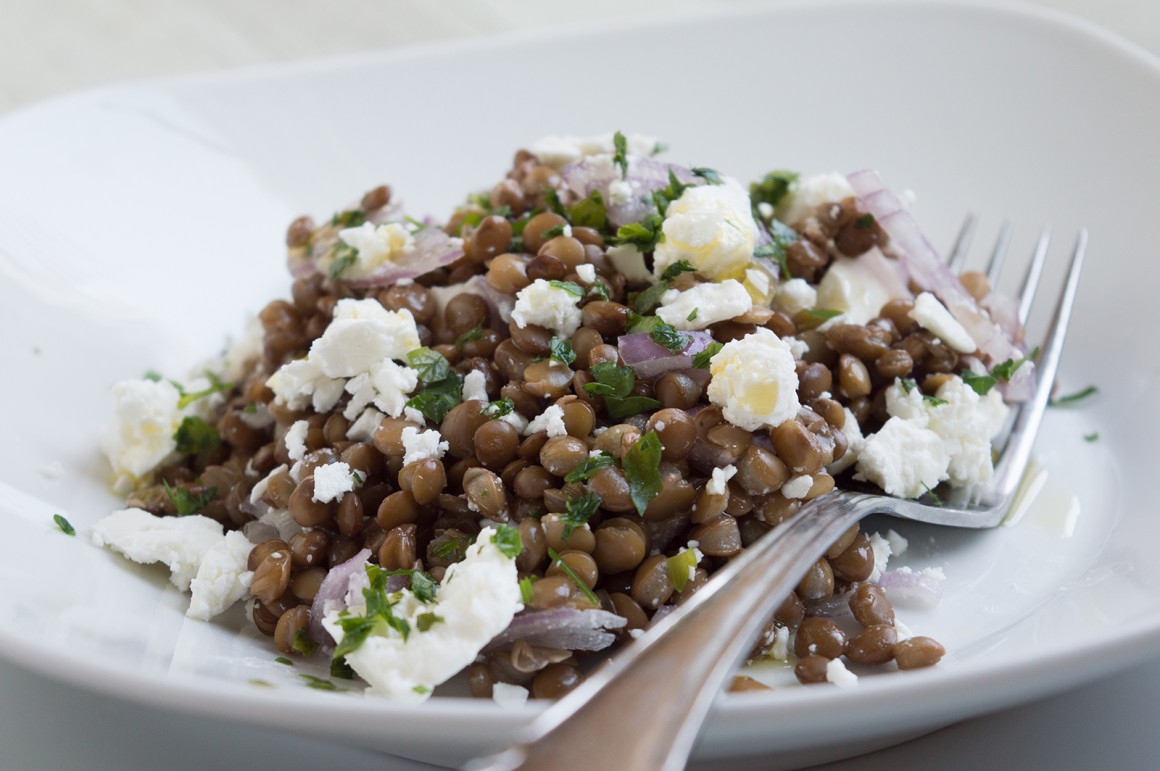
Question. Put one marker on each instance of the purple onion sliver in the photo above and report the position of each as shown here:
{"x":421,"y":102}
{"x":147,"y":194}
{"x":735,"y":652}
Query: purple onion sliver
{"x":564,"y":628}
{"x":915,"y":589}
{"x":649,"y":359}
{"x":334,"y":588}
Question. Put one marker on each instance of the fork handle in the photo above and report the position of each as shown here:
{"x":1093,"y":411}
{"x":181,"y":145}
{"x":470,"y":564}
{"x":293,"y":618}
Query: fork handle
{"x":645,"y":706}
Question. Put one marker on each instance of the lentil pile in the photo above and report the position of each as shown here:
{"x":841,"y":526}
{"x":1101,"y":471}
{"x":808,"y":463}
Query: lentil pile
{"x":573,"y":405}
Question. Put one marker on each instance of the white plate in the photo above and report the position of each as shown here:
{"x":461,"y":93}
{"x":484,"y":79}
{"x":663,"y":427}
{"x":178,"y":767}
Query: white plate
{"x":139,"y":224}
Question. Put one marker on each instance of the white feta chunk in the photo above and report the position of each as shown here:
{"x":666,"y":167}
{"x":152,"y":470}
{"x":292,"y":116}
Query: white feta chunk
{"x":295,"y":439}
{"x":140,"y":438}
{"x":362,"y":334}
{"x":854,"y":443}
{"x":179,"y":542}
{"x":754,"y":381}
{"x":798,"y":486}
{"x":375,"y":246}
{"x":852,"y":286}
{"x":794,"y":296}
{"x":560,"y":151}
{"x":586,"y":273}
{"x":837,"y":674}
{"x":629,"y":262}
{"x":300,"y":383}
{"x":806,"y":194}
{"x":475,"y":386}
{"x":933,"y":316}
{"x":509,"y":695}
{"x":710,"y":226}
{"x":903,"y":458}
{"x":719,"y":479}
{"x":222,"y":578}
{"x":704,"y":304}
{"x":548,"y":306}
{"x":422,"y":445}
{"x":550,"y":420}
{"x":332,"y":481}
{"x":363,"y":428}
{"x":619,"y":192}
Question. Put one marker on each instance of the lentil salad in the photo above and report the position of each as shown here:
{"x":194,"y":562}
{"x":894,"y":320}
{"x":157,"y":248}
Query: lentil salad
{"x":505,"y":442}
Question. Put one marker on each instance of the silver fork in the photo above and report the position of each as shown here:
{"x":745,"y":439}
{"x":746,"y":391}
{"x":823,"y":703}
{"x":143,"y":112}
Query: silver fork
{"x":643,"y":709}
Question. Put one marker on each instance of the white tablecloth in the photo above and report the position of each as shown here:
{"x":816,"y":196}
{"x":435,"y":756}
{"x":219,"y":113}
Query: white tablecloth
{"x":53,"y":46}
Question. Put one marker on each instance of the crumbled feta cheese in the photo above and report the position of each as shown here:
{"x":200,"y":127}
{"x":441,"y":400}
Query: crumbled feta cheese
{"x":636,"y":633}
{"x":706,"y":303}
{"x":794,"y":296}
{"x":363,"y":428}
{"x":391,"y":384}
{"x":477,"y":599}
{"x":295,"y":439}
{"x":854,"y":443}
{"x":710,"y":226}
{"x":179,"y":542}
{"x":547,"y":306}
{"x":332,"y":481}
{"x":933,"y":316}
{"x":300,"y":383}
{"x":223,"y":577}
{"x":852,"y":286}
{"x":516,"y":421}
{"x":629,"y":262}
{"x":798,"y":486}
{"x":719,"y":478}
{"x":780,"y":648}
{"x":550,"y":420}
{"x":619,"y":192}
{"x":883,"y":547}
{"x":805,"y":195}
{"x":586,"y":273}
{"x":837,"y":674}
{"x":475,"y":386}
{"x":798,"y":347}
{"x":903,"y":459}
{"x":259,"y":489}
{"x":375,"y":245}
{"x":362,"y":334}
{"x":559,"y":151}
{"x":421,"y":445}
{"x":509,"y":695}
{"x":146,"y":416}
{"x":754,"y":381}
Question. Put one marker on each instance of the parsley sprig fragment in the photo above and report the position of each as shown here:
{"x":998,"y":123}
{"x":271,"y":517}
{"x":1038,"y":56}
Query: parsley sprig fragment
{"x":772,"y":188}
{"x":64,"y":525}
{"x":194,"y":435}
{"x":620,"y":157}
{"x":571,"y":574}
{"x":345,"y":255}
{"x":1060,"y":401}
{"x":781,"y":237}
{"x":580,"y":510}
{"x":641,"y":464}
{"x":475,"y":333}
{"x":662,"y":333}
{"x":701,"y":360}
{"x":614,"y":384}
{"x":1002,"y":372}
{"x":712,"y":176}
{"x":589,"y":212}
{"x":561,"y":350}
{"x":378,"y":619}
{"x":442,"y":388}
{"x":526,"y":589}
{"x":507,"y":540}
{"x":499,"y":408}
{"x":644,"y":235}
{"x":187,"y":502}
{"x":571,"y":287}
{"x":216,"y":385}
{"x":589,"y":466}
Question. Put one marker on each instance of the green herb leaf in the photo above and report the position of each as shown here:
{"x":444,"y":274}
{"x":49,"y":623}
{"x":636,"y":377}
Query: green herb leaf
{"x":641,"y":464}
{"x":437,"y":399}
{"x":937,"y":501}
{"x":186,"y":502}
{"x":561,"y":350}
{"x":552,"y":232}
{"x":430,"y":365}
{"x":865,"y":222}
{"x":589,"y":212}
{"x":475,"y":333}
{"x":611,"y":380}
{"x":423,"y":586}
{"x":580,"y":510}
{"x":712,"y":176}
{"x":933,"y":401}
{"x":907,"y":384}
{"x":317,"y":683}
{"x":216,"y":386}
{"x":629,"y":406}
{"x":64,"y":525}
{"x":351,"y":218}
{"x":345,"y":255}
{"x":980,"y":384}
{"x":660,"y":147}
{"x":1092,"y":437}
{"x":589,"y":466}
{"x":284,"y":661}
{"x":421,"y":689}
{"x":679,"y":566}
{"x":599,"y":291}
{"x":194,"y":435}
{"x":152,"y":376}
{"x":571,"y":287}
{"x":566,"y":570}
{"x":507,"y":540}
{"x":650,"y":298}
{"x":644,"y":234}
{"x":339,"y":668}
{"x":554,"y":203}
{"x":1006,"y":370}
{"x":425,"y":621}
{"x":701,"y":360}
{"x":303,"y":644}
{"x":667,"y":336}
{"x":676,"y":269}
{"x":499,"y":408}
{"x":692,"y":314}
{"x":1075,"y":397}
{"x":772,"y":188}
{"x":620,"y":158}
{"x":824,"y":314}
{"x":526,"y":589}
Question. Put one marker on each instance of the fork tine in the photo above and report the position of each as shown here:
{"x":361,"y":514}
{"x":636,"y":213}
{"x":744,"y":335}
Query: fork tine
{"x":1031,"y":278}
{"x":962,"y":243}
{"x":999,"y":253}
{"x":1018,"y":452}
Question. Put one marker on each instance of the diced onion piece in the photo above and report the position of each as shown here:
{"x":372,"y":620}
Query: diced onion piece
{"x":565,"y":628}
{"x":644,"y":176}
{"x":649,"y":359}
{"x":333,"y":589}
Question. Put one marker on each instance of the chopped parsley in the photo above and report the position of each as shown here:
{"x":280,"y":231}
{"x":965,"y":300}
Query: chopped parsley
{"x":772,"y":188}
{"x":692,"y":314}
{"x":318,"y":683}
{"x":571,"y":287}
{"x":641,"y":464}
{"x":644,"y":235}
{"x":1092,"y":437}
{"x":552,"y":232}
{"x":781,"y":237}
{"x":580,"y":510}
{"x":598,"y":289}
{"x":438,"y":398}
{"x":1075,"y":397}
{"x":187,"y":398}
{"x":475,"y":333}
{"x":194,"y":435}
{"x":650,"y":298}
{"x":526,"y":589}
{"x":303,"y":644}
{"x":345,"y":255}
{"x":571,"y":574}
{"x":660,"y":147}
{"x":507,"y":540}
{"x":937,"y":501}
{"x":152,"y":376}
{"x":712,"y":176}
{"x":676,"y":269}
{"x":982,"y":384}
{"x":378,"y":618}
{"x":452,"y":548}
{"x":679,"y":566}
{"x":554,"y":202}
{"x":865,"y":222}
{"x":421,"y":689}
{"x":187,"y":502}
{"x":339,"y":668}
{"x":614,"y":384}
{"x":430,"y":365}
{"x":423,"y":586}
{"x":425,"y":621}
{"x":350,"y":218}
{"x":667,"y":336}
{"x":620,"y":157}
{"x":64,"y":525}
{"x":499,"y":408}
{"x":589,"y":466}
{"x":824,"y":314}
{"x":701,"y":360}
{"x":284,"y":661}
{"x":561,"y":350}
{"x":589,"y":212}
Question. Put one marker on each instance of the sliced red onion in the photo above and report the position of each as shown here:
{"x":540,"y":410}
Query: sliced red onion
{"x":566,"y":628}
{"x":916,"y":589}
{"x":434,"y":249}
{"x":927,"y":269}
{"x":341,"y":579}
{"x":500,"y":304}
{"x":649,"y":359}
{"x":644,"y":176}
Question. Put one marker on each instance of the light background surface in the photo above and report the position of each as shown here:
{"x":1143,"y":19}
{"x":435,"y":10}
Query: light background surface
{"x":50,"y":47}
